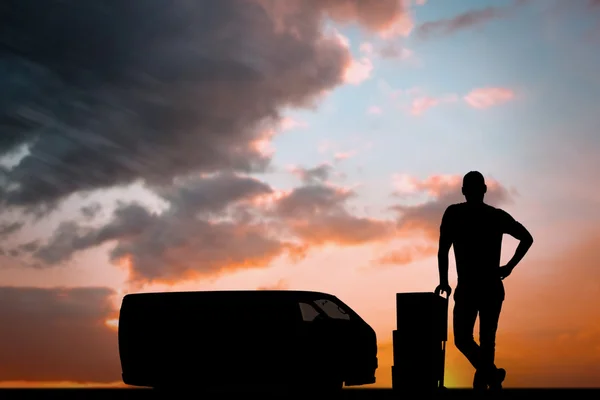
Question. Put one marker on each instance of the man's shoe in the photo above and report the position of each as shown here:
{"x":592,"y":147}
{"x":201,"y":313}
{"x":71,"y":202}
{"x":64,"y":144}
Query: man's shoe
{"x":479,"y":381}
{"x":497,"y":378}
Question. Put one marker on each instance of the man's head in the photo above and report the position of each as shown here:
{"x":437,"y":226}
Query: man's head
{"x":474,"y":187}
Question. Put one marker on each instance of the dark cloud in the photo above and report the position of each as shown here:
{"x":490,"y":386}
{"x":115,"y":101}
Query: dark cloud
{"x":223,"y":222}
{"x":320,"y":173}
{"x":7,"y":229}
{"x":318,"y":214}
{"x":215,"y":224}
{"x":91,"y":210}
{"x":57,"y":335}
{"x":463,"y":21}
{"x":197,"y":234}
{"x":105,"y":93}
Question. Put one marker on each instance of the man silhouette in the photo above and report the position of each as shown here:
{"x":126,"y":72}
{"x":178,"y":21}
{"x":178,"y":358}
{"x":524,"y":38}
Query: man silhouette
{"x":475,"y":230}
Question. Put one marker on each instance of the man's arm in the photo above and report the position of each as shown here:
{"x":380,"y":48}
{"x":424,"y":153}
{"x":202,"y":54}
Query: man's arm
{"x":444,"y":247}
{"x":519,"y":232}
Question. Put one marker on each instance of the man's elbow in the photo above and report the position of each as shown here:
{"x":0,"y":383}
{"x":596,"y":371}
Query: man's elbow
{"x":527,"y":239}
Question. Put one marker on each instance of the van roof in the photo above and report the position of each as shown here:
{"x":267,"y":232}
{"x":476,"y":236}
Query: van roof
{"x":233,"y":293}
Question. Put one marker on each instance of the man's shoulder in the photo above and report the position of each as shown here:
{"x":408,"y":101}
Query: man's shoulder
{"x":456,"y":207}
{"x":498,"y":211}
{"x":463,"y":208}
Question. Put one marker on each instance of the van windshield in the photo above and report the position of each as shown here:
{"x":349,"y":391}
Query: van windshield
{"x":324,"y":307}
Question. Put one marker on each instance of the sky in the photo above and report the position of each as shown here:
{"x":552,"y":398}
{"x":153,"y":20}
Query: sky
{"x":297,"y":144}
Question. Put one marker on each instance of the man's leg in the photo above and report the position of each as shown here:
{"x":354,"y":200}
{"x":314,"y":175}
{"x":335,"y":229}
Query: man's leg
{"x":465,"y":314}
{"x":489,"y":315}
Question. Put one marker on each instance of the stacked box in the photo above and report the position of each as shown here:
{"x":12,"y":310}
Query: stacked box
{"x":419,"y":341}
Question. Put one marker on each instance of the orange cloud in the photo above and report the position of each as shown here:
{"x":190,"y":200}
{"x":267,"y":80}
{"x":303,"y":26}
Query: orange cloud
{"x":407,"y":255}
{"x":488,"y":97}
{"x":281,"y":284}
{"x":422,"y":219}
{"x":385,"y":16}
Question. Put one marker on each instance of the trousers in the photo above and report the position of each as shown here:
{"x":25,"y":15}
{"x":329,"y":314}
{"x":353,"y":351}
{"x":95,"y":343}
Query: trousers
{"x":468,"y":304}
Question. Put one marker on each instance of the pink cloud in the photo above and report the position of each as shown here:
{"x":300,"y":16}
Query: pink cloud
{"x":366,"y":48}
{"x":344,"y":155}
{"x":374,"y":110}
{"x":288,"y":123}
{"x":358,"y":71}
{"x":421,"y":104}
{"x":488,"y":97}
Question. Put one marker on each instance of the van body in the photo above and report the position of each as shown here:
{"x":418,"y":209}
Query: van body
{"x":253,"y":338}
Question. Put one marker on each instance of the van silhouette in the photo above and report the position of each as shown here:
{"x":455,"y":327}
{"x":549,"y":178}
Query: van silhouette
{"x":247,"y":339}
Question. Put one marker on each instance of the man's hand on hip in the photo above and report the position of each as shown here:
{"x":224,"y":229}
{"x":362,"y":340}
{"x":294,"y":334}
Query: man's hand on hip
{"x":505,"y":271}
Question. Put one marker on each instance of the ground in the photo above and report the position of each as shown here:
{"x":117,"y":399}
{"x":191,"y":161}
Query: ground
{"x":357,"y":394}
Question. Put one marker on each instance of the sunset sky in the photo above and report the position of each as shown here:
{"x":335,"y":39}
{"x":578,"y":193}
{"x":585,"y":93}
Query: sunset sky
{"x":295,"y":144}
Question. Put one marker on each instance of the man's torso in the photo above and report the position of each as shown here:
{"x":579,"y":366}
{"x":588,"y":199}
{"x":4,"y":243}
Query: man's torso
{"x":477,"y":232}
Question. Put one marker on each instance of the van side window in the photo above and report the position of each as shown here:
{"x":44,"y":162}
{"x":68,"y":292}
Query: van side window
{"x":309,"y":313}
{"x":332,"y":309}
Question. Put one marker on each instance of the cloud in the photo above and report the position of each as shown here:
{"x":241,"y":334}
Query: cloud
{"x":386,"y":16}
{"x":281,"y":284}
{"x":57,"y":335}
{"x":320,"y":173}
{"x":488,"y":97}
{"x":449,"y":26}
{"x":374,"y":110}
{"x":218,"y":223}
{"x":207,"y":228}
{"x":358,"y":71}
{"x":318,"y":215}
{"x":173,"y":87}
{"x":423,"y":219}
{"x":344,"y":155}
{"x":423,"y":103}
{"x":387,"y":51}
{"x":407,"y":255}
{"x":7,"y":229}
{"x":91,"y":210}
{"x":395,"y":51}
{"x":366,"y":48}
{"x":479,"y":98}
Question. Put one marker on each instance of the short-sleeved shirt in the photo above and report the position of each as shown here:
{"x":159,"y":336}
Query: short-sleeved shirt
{"x":476,"y":232}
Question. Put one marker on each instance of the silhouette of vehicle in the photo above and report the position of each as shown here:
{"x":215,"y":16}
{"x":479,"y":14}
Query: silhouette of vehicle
{"x":263,"y":339}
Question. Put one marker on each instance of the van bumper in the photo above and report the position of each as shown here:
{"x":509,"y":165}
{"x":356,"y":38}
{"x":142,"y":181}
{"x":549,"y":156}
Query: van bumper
{"x":362,"y":376}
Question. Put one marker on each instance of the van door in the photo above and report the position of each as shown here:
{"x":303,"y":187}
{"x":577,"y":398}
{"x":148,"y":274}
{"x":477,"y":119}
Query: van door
{"x":337,"y":339}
